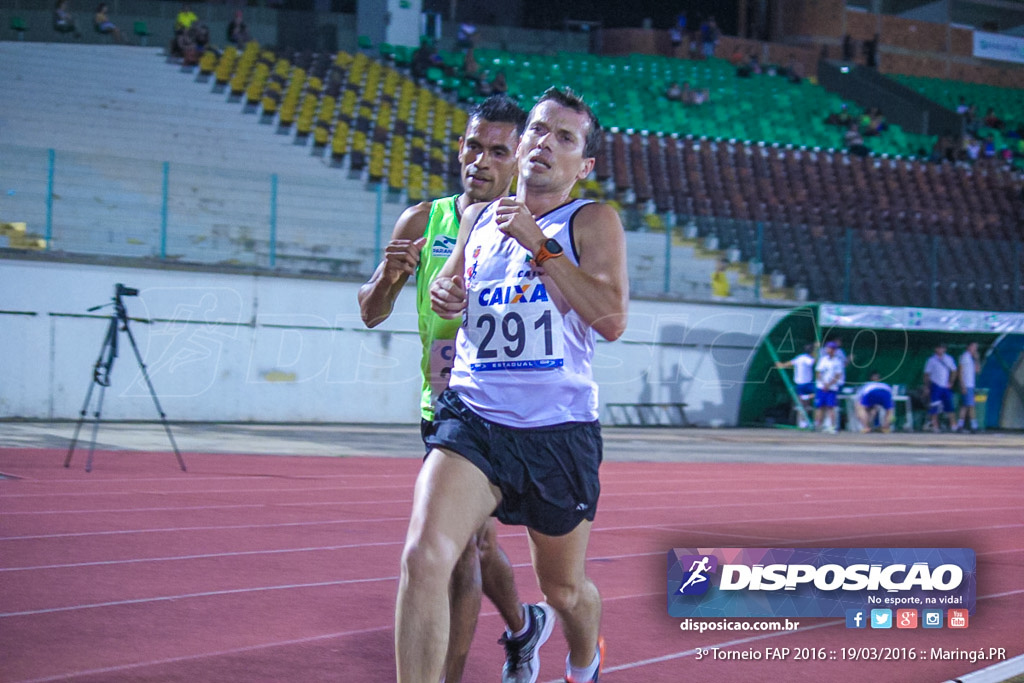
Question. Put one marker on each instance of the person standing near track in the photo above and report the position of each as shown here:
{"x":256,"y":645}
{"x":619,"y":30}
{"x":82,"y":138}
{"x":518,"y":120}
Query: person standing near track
{"x":535,"y":278}
{"x":421,"y":243}
{"x":967,"y":377}
{"x":939,"y":374}
{"x":803,"y":380}
{"x":828,"y":378}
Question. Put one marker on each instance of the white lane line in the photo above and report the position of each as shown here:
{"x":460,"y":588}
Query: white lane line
{"x":408,"y":501}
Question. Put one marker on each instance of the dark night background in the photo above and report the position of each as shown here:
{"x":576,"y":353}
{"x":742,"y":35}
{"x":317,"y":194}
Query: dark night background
{"x":627,"y":13}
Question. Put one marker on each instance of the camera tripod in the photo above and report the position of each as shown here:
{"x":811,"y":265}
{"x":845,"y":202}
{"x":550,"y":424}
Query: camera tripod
{"x":101,"y":376}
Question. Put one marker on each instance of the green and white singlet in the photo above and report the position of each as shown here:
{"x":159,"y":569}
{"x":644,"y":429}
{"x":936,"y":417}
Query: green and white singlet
{"x":436,"y":334}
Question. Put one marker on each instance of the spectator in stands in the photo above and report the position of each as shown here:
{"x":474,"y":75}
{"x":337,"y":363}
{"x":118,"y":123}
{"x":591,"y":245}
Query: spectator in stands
{"x":848,"y":48}
{"x":795,"y":72}
{"x":238,"y":32}
{"x":675,"y":38}
{"x":750,"y":67}
{"x":991,"y":120}
{"x":720,"y":287}
{"x":674,"y":93}
{"x":853,"y":141}
{"x":969,"y":364}
{"x":875,"y":122}
{"x":803,"y":380}
{"x":104,"y":25}
{"x":972,"y":148}
{"x":840,"y":118}
{"x":871,"y":52}
{"x":64,"y":20}
{"x":499,"y":85}
{"x":201,"y":35}
{"x":939,"y":374}
{"x":470,"y":67}
{"x":971,"y":121}
{"x":874,"y":403}
{"x":961,"y":105}
{"x":465,"y":37}
{"x":709,"y":35}
{"x":483,"y":85}
{"x":183,"y":46}
{"x":423,"y":59}
{"x":186,"y":17}
{"x":988,"y":147}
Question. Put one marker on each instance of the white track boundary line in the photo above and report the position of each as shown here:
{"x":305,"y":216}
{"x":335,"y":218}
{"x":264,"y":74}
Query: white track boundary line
{"x":408,"y":501}
{"x":281,"y":551}
{"x":256,"y":589}
{"x":701,"y":483}
{"x":266,"y":646}
{"x":674,"y":527}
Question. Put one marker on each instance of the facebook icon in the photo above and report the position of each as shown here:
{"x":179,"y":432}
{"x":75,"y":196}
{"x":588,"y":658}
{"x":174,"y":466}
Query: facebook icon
{"x":856,"y":618}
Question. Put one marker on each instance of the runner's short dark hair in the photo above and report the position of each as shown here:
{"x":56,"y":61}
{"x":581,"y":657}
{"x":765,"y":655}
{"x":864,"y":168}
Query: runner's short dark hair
{"x":500,"y":109}
{"x":567,"y":98}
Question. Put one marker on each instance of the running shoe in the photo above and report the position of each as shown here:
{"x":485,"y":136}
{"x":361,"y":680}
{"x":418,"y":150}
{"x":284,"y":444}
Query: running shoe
{"x":522,"y":655}
{"x":600,"y":665}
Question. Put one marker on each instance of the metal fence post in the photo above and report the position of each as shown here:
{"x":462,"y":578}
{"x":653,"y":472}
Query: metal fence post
{"x":668,"y":259}
{"x":51,"y":159}
{"x":273,"y":220}
{"x":848,"y":266}
{"x":163,"y":209}
{"x":377,"y":239}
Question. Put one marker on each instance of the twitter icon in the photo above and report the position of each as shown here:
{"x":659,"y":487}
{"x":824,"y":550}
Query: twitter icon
{"x":881,"y":618}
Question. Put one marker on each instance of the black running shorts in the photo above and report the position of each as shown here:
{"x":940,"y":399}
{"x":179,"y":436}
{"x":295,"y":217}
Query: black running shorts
{"x":547,"y":475}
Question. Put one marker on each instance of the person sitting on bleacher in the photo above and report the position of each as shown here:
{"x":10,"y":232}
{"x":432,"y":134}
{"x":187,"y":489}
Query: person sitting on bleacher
{"x":186,"y":17}
{"x":103,"y":23}
{"x":423,"y":59}
{"x":874,"y":404}
{"x":238,"y":33}
{"x":184,"y":45}
{"x":63,"y":20}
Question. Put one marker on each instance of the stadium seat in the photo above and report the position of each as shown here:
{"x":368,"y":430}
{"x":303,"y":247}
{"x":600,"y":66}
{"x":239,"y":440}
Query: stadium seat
{"x":141,"y":32}
{"x":19,"y":26}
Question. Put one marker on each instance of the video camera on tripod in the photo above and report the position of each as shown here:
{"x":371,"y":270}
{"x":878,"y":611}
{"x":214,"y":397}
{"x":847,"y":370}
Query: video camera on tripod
{"x":101,"y":374}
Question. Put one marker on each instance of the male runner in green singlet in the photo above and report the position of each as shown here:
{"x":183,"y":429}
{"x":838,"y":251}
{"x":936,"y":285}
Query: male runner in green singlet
{"x":421,"y":243}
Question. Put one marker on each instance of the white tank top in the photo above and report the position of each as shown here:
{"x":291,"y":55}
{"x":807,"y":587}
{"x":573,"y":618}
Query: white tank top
{"x":522,"y":355}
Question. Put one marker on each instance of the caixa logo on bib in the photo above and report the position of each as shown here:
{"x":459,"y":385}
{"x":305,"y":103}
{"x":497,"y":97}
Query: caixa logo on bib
{"x":816,"y":582}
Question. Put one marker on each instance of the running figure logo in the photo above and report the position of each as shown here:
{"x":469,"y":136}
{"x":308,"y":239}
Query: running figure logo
{"x":696,"y":581}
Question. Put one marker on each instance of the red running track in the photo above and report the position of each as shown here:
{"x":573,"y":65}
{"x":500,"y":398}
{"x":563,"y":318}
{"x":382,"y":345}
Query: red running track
{"x":269,"y":568}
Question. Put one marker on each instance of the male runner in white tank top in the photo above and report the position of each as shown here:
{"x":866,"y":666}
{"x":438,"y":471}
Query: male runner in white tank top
{"x":534,"y":278}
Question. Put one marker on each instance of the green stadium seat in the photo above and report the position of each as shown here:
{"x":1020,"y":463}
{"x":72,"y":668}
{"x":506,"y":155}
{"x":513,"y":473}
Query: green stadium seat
{"x":19,"y":26}
{"x":142,"y":32}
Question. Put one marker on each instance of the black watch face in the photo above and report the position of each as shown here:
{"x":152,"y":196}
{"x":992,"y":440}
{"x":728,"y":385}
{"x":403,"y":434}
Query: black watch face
{"x":553,"y":247}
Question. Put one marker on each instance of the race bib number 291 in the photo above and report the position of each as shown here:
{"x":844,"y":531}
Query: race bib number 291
{"x":513,"y":326}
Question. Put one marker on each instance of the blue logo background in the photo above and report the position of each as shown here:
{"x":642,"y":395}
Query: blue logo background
{"x":696,"y":578}
{"x":856,"y":618}
{"x":931,"y":618}
{"x":881,"y":618}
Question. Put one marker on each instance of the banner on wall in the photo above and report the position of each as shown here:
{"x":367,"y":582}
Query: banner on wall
{"x":998,"y":46}
{"x":909,"y":318}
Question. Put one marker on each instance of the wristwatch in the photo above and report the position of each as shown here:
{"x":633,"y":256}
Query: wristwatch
{"x":550,"y":248}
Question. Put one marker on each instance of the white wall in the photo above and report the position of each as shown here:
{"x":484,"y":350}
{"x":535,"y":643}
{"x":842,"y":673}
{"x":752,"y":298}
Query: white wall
{"x":225,"y":347}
